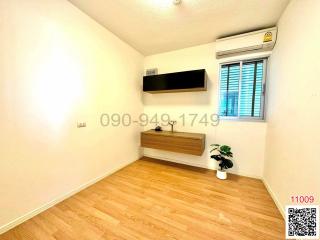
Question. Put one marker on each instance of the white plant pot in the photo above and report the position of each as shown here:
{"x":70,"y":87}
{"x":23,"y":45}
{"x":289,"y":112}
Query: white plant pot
{"x":221,"y":174}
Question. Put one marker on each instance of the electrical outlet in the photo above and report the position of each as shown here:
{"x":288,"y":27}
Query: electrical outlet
{"x":81,"y":124}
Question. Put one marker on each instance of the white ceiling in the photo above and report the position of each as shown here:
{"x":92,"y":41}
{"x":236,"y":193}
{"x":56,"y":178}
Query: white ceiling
{"x":154,"y":26}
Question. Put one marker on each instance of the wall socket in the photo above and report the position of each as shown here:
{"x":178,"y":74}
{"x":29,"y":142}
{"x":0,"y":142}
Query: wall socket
{"x":81,"y":124}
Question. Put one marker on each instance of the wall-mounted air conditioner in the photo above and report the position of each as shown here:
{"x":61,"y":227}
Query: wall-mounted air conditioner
{"x":257,"y":41}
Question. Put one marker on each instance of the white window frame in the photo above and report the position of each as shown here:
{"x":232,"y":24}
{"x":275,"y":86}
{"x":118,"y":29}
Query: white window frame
{"x":263,"y":100}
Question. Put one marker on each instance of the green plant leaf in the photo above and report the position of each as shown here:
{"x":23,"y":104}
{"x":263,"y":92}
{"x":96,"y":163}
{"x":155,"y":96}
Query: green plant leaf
{"x":223,"y":156}
{"x":215,"y":144}
{"x":226,"y":163}
{"x":225,"y":148}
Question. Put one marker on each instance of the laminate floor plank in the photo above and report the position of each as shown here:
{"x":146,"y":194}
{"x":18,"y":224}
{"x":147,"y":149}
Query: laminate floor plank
{"x":153,"y":199}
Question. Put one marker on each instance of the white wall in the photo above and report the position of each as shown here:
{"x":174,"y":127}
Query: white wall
{"x":57,"y":67}
{"x":247,"y":139}
{"x":293,"y":133}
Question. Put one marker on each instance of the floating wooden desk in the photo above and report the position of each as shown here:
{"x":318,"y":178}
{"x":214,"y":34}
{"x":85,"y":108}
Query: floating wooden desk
{"x":182,"y":142}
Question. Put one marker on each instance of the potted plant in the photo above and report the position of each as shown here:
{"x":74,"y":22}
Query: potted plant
{"x":223,"y":154}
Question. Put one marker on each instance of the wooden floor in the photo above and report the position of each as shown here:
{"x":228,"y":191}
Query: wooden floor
{"x":156,"y":200}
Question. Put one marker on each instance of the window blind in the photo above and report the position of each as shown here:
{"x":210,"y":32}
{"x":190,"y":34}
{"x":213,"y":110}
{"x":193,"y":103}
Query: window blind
{"x":241,"y":89}
{"x":251,"y":89}
{"x":229,"y":89}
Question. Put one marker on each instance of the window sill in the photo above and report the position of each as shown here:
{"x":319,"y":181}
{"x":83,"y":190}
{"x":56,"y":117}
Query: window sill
{"x":236,"y":119}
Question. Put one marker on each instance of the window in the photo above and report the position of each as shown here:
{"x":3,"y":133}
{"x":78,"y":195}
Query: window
{"x":242,"y":89}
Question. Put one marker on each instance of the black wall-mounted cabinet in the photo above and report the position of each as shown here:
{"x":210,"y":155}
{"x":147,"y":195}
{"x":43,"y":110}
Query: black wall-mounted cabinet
{"x":195,"y":80}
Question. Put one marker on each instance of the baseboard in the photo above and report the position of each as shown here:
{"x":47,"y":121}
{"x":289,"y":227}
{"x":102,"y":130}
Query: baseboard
{"x":50,"y":204}
{"x":198,"y":165}
{"x":274,"y":197}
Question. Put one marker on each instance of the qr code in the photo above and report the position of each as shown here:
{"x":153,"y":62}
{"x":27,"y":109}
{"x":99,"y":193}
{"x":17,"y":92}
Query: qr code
{"x":302,"y":222}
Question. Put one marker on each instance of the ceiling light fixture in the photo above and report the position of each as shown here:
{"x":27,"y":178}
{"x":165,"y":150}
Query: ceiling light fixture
{"x":176,"y":2}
